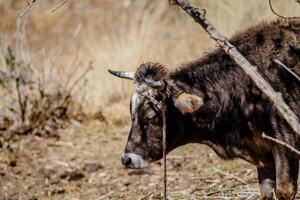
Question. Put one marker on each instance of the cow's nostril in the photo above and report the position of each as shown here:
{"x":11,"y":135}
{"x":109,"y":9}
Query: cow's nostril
{"x":134,"y":161}
{"x":127,"y":161}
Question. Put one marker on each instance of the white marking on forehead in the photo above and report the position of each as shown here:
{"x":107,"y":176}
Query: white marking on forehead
{"x":136,"y":100}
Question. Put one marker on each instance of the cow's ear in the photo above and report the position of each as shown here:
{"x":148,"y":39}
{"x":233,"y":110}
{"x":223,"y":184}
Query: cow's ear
{"x":188,"y":103}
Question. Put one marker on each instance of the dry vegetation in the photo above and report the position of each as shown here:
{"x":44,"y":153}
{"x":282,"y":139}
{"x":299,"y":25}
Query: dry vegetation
{"x":56,"y":49}
{"x":33,"y":98}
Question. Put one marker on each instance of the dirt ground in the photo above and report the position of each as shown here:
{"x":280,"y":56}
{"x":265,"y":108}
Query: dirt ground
{"x":83,"y":163}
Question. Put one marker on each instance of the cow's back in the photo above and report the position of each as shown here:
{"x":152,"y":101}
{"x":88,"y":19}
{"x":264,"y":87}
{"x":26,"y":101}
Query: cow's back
{"x":278,"y":40}
{"x":260,"y":44}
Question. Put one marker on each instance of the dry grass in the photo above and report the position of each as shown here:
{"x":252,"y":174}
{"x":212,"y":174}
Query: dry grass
{"x":119,"y":36}
{"x":35,"y":97}
{"x":153,"y":31}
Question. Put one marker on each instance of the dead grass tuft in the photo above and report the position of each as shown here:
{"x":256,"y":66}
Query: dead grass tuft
{"x":34,"y":97}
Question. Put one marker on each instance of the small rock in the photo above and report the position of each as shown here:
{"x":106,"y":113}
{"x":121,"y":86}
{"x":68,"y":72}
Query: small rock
{"x":13,"y":163}
{"x":92,"y":167}
{"x":58,"y":191}
{"x":47,"y":173}
{"x":126,"y":184}
{"x":76,"y":123}
{"x":72,"y":176}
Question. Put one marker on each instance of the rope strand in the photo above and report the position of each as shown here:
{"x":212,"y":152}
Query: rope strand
{"x":163,"y":109}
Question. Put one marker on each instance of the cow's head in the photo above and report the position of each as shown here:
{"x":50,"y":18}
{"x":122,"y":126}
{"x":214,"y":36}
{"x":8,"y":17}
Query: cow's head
{"x":144,"y":143}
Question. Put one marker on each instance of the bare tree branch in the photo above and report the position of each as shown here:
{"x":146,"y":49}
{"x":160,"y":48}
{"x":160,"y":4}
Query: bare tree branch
{"x":32,"y":2}
{"x":251,"y":71}
{"x":281,"y":143}
{"x":274,"y":12}
{"x":287,"y":69}
{"x":59,"y":5}
{"x":278,"y":15}
{"x":84,"y":73}
{"x":28,"y":8}
{"x":22,"y":103}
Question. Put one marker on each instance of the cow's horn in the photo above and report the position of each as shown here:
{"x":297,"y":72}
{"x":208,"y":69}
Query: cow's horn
{"x":159,"y":85}
{"x":122,"y":74}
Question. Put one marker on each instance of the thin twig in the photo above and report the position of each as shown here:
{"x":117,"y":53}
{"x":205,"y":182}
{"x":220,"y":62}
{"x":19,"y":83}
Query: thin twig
{"x":84,"y":73}
{"x":28,"y":8}
{"x":281,"y":143}
{"x":230,"y":175}
{"x":286,"y":68}
{"x":72,"y":73}
{"x":105,"y":196}
{"x":59,"y":5}
{"x":218,"y":191}
{"x":148,"y":195}
{"x":278,"y":15}
{"x":66,"y":46}
{"x":163,"y":109}
{"x":250,"y":70}
{"x":22,"y":104}
{"x":273,"y":11}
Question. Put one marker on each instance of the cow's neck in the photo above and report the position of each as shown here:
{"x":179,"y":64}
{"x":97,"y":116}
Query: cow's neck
{"x":211,"y":126}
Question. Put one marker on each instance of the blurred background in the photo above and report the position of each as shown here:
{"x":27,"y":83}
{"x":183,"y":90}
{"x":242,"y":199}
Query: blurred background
{"x":54,"y":79}
{"x":121,"y":34}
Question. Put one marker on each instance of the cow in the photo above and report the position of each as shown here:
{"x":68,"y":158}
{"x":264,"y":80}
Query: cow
{"x":212,"y":101}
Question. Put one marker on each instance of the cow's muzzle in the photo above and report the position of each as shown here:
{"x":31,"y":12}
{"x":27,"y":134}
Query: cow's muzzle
{"x":133,"y":161}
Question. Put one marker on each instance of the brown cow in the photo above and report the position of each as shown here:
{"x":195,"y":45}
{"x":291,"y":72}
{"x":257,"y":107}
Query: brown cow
{"x":212,"y":101}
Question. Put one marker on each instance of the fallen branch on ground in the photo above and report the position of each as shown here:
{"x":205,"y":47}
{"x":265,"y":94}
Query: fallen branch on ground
{"x":105,"y":196}
{"x":281,"y":143}
{"x":251,"y":71}
{"x":229,"y":175}
{"x":146,"y":197}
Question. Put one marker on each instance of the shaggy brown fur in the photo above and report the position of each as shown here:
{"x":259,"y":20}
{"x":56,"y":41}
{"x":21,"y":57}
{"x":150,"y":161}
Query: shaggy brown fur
{"x":234,"y":113}
{"x":151,"y":70}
